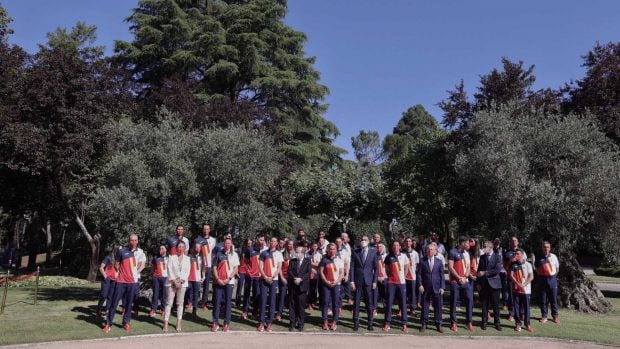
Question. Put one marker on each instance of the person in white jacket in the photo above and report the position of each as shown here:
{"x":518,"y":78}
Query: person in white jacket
{"x":178,"y":273}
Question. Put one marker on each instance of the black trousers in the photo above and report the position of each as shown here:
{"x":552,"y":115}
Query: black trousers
{"x":297,"y":306}
{"x":489,"y":295}
{"x":363,"y":292}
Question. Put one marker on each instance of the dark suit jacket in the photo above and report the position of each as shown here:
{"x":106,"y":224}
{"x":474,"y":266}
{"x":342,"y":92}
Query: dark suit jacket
{"x":303,"y":273}
{"x":363,"y":274}
{"x":431,"y":279}
{"x":492,"y":269}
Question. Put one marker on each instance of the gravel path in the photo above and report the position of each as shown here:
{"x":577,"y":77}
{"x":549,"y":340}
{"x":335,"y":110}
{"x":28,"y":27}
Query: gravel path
{"x":285,"y":340}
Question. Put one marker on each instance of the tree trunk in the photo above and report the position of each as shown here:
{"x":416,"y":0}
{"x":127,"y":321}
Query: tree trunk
{"x":576,"y":291}
{"x":48,"y":241}
{"x":93,"y":241}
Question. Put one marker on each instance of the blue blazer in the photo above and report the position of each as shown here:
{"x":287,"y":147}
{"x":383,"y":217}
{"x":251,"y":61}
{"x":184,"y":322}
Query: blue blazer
{"x":492,"y":269}
{"x":431,"y":279}
{"x":363,"y":274}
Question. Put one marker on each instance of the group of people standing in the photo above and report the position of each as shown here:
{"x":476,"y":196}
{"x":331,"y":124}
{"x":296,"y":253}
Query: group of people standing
{"x":272,"y":275}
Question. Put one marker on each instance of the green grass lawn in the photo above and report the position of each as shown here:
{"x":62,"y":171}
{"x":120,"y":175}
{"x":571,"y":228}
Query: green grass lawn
{"x":69,"y":313}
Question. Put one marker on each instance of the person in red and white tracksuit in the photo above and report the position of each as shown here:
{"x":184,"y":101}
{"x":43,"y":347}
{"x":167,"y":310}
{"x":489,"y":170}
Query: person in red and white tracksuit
{"x":397,"y":265}
{"x":547,"y":267}
{"x":127,"y":268}
{"x":521,"y":276}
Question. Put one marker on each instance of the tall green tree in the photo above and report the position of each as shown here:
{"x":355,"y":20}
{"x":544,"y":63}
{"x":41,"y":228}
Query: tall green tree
{"x":543,"y":177}
{"x":234,"y":54}
{"x":599,"y":90}
{"x":416,"y":173}
{"x":53,"y":127}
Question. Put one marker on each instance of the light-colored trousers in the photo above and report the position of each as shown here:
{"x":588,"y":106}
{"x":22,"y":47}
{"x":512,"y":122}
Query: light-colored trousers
{"x":180,"y":296}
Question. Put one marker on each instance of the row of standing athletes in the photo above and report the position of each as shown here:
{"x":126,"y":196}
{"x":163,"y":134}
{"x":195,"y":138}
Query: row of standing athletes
{"x":396,"y":276}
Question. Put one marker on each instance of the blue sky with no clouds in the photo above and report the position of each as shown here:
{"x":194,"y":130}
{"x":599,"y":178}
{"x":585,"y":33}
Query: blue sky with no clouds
{"x":380,"y":57}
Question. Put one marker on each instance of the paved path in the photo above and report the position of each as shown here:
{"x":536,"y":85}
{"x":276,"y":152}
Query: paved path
{"x":285,"y":340}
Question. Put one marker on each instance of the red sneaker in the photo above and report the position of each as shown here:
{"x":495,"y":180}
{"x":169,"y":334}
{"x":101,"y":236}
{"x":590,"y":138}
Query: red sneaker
{"x":453,"y":327}
{"x":278,"y":317}
{"x":471,"y":327}
{"x":518,"y":328}
{"x":333,"y":327}
{"x":405,"y":329}
{"x":350,"y":302}
{"x":152,"y":313}
{"x":543,"y":320}
{"x":386,"y":328}
{"x":268,"y":328}
{"x":261,"y":328}
{"x":226,"y":328}
{"x":162,"y":312}
{"x":400,"y":313}
{"x":556,"y":319}
{"x":205,"y":308}
{"x":511,"y":319}
{"x":505,"y":307}
{"x":244,"y":315}
{"x":325,"y":326}
{"x":106,"y":328}
{"x":127,"y":327}
{"x":529,"y":328}
{"x":215,"y":327}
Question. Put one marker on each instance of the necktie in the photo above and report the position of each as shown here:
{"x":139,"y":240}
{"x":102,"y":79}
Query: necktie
{"x":431,"y":262}
{"x":364,"y":253}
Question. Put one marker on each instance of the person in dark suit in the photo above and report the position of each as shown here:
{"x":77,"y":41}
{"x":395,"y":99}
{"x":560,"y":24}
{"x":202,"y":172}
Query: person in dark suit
{"x":490,"y":284}
{"x":298,"y":285}
{"x":431,"y":283}
{"x":363,"y":279}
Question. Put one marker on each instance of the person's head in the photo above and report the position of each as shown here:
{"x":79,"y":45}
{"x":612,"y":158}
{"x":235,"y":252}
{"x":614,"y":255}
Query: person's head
{"x":414,"y":244}
{"x":133,"y":241}
{"x":376,"y":238}
{"x":463,"y":243}
{"x":496,"y":243}
{"x":364,"y":241}
{"x":196,"y":249}
{"x":322,"y":234}
{"x":314,"y":247}
{"x":281,"y":244}
{"x":331,"y":250}
{"x":322,"y":240}
{"x":273,"y":243}
{"x":180,"y":230}
{"x":300,"y":252}
{"x":206,"y":230}
{"x":431,"y":249}
{"x":248,"y":243}
{"x":162,"y":250}
{"x":181,"y":248}
{"x":546,"y":247}
{"x":514,"y":242}
{"x":260,"y":240}
{"x":338,"y":243}
{"x":434,"y":237}
{"x":409,"y":243}
{"x":345,"y":238}
{"x":472,"y":243}
{"x":488,"y":247}
{"x":228,"y":245}
{"x":290,"y":246}
{"x":380,"y":248}
{"x":228,"y":236}
{"x":301,"y":234}
{"x":396,"y":247}
{"x":520,"y":255}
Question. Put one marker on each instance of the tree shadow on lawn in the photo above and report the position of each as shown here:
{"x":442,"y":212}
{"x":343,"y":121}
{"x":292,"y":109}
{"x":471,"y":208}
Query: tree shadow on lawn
{"x":68,"y":294}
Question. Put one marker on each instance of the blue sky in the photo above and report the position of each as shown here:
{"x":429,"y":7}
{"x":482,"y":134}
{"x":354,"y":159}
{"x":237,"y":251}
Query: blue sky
{"x":380,"y":57}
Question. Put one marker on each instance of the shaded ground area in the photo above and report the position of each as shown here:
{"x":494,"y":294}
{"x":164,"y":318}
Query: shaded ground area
{"x":295,"y":340}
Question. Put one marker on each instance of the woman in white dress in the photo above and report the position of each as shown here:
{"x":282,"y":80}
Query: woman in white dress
{"x":178,"y":273}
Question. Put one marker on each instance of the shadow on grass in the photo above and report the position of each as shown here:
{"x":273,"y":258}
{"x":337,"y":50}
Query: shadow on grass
{"x":611,"y":294}
{"x":68,"y":294}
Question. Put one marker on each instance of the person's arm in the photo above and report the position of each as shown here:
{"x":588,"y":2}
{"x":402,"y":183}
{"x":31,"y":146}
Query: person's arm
{"x":375,"y":272}
{"x":185,"y":275}
{"x":281,"y":273}
{"x":530,"y":277}
{"x":442,"y":279}
{"x":102,"y":270}
{"x":351,"y":271}
{"x":323,"y":278}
